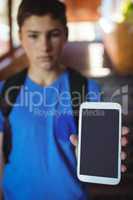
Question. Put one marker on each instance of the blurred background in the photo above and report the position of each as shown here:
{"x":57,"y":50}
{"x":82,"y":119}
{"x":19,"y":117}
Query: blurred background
{"x":100,"y":46}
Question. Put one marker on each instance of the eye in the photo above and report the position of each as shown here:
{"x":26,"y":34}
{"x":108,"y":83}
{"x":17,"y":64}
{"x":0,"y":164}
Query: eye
{"x":33,"y":36}
{"x":55,"y":34}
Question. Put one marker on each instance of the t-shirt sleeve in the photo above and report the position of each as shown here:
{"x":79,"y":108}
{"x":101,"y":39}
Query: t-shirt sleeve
{"x":94,"y":91}
{"x":1,"y":116}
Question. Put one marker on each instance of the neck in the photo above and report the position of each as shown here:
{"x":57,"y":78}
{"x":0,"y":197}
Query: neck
{"x":45,"y":77}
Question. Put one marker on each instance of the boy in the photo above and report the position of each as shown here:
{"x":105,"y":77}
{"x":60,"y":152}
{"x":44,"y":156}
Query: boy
{"x":42,"y":163}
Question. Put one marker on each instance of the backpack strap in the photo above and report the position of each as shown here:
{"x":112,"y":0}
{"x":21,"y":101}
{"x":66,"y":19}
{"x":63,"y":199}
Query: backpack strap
{"x":11,"y":90}
{"x":9,"y":95}
{"x":78,"y":89}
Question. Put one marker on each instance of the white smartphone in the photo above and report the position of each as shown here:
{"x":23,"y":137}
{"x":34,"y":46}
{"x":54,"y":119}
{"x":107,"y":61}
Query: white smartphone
{"x":99,"y":148}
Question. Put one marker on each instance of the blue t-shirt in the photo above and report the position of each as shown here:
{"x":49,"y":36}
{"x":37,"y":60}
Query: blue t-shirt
{"x":42,"y":162}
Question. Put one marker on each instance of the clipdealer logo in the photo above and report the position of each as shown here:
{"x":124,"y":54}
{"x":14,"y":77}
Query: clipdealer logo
{"x":123,"y":96}
{"x":48,"y":97}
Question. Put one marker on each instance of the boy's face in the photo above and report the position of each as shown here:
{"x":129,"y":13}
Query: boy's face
{"x":43,"y":39}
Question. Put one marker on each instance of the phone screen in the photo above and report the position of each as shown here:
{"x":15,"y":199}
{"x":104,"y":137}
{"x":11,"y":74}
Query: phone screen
{"x":99,"y":143}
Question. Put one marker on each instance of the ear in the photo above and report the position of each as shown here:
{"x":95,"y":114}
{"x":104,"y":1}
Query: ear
{"x":66,"y":32}
{"x":20,"y":38}
{"x":20,"y":35}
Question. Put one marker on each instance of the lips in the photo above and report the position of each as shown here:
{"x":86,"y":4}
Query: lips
{"x":44,"y":58}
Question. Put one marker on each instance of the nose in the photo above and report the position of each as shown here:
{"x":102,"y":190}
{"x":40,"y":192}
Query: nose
{"x":45,"y":44}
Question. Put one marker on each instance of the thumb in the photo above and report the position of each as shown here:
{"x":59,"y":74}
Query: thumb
{"x":74,"y":139}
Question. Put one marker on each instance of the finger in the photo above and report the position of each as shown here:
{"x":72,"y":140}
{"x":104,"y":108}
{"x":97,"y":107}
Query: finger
{"x":123,"y":156}
{"x":124,"y":141}
{"x":123,"y":168}
{"x":74,"y":139}
{"x":125,"y":130}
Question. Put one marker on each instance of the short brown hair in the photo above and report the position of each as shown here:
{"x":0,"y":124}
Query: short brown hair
{"x":28,"y":8}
